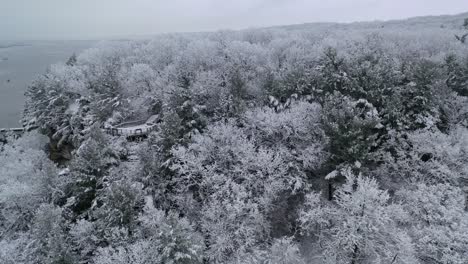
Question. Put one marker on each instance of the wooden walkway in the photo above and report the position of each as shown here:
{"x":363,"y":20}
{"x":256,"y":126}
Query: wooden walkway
{"x":134,"y":129}
{"x":20,"y":130}
{"x":15,"y":132}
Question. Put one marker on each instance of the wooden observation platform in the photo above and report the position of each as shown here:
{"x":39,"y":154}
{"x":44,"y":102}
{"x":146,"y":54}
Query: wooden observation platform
{"x":134,"y":129}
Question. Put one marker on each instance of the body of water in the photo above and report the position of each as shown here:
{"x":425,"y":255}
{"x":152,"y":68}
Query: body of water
{"x":20,"y":64}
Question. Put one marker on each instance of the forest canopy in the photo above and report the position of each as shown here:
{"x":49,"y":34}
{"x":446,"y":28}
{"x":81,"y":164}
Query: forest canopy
{"x":333,"y":143}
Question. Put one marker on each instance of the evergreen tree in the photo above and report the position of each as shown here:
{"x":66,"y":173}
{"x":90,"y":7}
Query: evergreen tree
{"x":88,"y":170}
{"x":72,"y":60}
{"x":49,"y":237}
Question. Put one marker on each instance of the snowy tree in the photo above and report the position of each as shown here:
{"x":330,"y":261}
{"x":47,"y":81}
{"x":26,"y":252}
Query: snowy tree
{"x":361,"y":226}
{"x":88,"y":169}
{"x":442,"y":157}
{"x":27,"y":179}
{"x":141,"y":252}
{"x":412,"y":106}
{"x":457,"y":74}
{"x":374,"y":70}
{"x":298,"y":129}
{"x":438,"y":223}
{"x":14,"y":251}
{"x":175,"y":239}
{"x":352,"y":128}
{"x":462,"y":38}
{"x":72,"y":60}
{"x":282,"y":251}
{"x":83,"y":238}
{"x":118,"y":205}
{"x":166,"y":239}
{"x":236,"y":183}
{"x":176,"y":128}
{"x":54,"y":104}
{"x":48,"y":237}
{"x":333,"y":73}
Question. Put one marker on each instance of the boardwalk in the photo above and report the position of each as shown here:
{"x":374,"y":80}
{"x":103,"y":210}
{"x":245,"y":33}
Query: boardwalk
{"x":134,"y":129}
{"x":12,"y":130}
{"x":15,"y":132}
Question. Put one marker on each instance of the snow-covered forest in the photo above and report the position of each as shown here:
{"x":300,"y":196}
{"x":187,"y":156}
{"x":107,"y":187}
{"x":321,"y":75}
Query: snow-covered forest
{"x":321,"y":143}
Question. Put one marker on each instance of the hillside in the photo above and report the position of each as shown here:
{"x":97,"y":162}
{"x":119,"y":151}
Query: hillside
{"x":315,"y":143}
{"x":425,"y":22}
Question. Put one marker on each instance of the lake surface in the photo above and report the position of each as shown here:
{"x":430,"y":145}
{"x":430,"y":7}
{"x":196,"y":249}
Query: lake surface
{"x":19,"y":66}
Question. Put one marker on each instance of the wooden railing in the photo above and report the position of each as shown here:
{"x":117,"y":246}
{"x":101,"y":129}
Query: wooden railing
{"x":13,"y":130}
{"x":114,"y":131}
{"x":137,"y":128}
{"x":18,"y":130}
{"x":131,"y":123}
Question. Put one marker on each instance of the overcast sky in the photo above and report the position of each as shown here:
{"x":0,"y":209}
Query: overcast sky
{"x":95,"y":19}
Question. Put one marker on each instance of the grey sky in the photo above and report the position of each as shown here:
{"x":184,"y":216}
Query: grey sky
{"x":84,"y":19}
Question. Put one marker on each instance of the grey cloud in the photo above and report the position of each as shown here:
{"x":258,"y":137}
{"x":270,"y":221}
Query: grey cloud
{"x":66,"y":19}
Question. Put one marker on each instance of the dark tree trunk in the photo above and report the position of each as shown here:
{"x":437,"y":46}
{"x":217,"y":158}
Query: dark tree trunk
{"x":330,"y":190}
{"x":355,"y":254}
